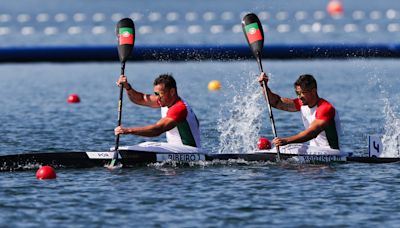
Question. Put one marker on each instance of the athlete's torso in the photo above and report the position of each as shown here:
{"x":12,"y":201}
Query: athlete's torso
{"x":187,"y":131}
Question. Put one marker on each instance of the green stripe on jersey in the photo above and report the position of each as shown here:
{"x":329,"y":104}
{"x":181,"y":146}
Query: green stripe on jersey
{"x":186,"y":134}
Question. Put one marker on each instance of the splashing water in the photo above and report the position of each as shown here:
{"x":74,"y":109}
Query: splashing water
{"x":391,"y":131}
{"x":391,"y":136}
{"x":240,"y":120}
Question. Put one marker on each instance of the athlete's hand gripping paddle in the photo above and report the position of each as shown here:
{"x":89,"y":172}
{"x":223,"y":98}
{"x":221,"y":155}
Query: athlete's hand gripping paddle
{"x":125,"y":32}
{"x":254,"y":34}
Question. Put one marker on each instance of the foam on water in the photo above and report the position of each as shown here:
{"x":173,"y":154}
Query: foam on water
{"x":239,"y":122}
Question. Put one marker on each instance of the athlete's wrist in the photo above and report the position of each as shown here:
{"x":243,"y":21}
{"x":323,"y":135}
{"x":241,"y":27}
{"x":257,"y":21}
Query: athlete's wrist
{"x":128,"y":87}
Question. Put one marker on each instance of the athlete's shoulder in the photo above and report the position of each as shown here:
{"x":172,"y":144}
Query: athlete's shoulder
{"x":177,"y":111}
{"x":297,"y":103}
{"x":325,"y":110}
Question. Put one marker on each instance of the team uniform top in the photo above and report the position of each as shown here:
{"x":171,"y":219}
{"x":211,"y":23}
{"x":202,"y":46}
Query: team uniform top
{"x":187,"y":131}
{"x":330,"y":136}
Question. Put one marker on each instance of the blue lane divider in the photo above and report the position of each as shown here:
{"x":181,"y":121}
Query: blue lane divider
{"x":194,"y":52}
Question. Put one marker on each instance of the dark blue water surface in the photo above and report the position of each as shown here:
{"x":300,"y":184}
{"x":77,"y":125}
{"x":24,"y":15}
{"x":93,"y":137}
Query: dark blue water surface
{"x":34,"y":116}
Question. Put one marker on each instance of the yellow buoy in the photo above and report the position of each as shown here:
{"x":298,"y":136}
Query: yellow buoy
{"x":214,"y":85}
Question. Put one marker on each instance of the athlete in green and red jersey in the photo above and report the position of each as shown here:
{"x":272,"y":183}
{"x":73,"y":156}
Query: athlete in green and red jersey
{"x":178,"y":119}
{"x":320,"y":118}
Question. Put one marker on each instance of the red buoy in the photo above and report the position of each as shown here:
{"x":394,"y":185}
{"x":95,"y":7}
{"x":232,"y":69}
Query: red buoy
{"x":334,"y":8}
{"x":73,"y":98}
{"x":46,"y":172}
{"x":263,"y":144}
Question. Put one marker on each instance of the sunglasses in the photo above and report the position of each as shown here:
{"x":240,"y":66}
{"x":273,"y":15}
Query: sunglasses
{"x":298,"y":93}
{"x":157,"y":94}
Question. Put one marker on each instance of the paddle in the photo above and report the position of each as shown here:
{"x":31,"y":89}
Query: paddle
{"x":125,"y":31}
{"x":254,"y":34}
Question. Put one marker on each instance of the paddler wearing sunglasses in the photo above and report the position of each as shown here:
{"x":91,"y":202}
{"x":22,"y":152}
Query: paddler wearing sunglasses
{"x":177,"y":117}
{"x":320,"y":118}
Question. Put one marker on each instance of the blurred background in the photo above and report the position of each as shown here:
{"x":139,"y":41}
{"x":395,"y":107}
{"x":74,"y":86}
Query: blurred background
{"x":92,"y":22}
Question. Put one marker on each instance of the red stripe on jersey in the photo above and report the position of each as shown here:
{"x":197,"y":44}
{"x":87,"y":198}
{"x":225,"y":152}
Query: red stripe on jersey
{"x":178,"y":111}
{"x":325,"y":111}
{"x":298,"y":103}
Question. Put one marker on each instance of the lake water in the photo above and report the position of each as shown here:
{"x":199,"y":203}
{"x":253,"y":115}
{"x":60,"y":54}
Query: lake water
{"x":34,"y":116}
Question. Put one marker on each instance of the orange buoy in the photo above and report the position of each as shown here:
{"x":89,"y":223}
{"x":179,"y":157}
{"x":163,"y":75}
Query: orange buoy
{"x":263,"y":144}
{"x":335,"y":8}
{"x":46,"y":172}
{"x":73,"y":98}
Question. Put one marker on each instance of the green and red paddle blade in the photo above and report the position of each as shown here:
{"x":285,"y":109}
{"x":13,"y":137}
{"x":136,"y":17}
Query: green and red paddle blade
{"x":125,"y":31}
{"x":254,"y":33}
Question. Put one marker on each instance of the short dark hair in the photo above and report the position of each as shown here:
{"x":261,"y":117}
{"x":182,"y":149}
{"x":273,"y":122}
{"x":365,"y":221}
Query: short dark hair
{"x":166,"y":79}
{"x":306,"y":81}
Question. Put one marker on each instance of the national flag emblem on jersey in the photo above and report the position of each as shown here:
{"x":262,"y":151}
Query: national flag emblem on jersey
{"x":125,"y":35}
{"x":253,"y":33}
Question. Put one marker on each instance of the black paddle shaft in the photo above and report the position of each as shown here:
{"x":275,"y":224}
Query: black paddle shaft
{"x":121,"y":95}
{"x":254,"y":34}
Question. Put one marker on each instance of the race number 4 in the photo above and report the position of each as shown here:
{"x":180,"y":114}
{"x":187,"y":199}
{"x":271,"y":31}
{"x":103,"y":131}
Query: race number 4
{"x":375,"y":146}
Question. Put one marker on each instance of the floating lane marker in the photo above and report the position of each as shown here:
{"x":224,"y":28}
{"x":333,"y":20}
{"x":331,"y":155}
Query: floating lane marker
{"x":172,"y":16}
{"x":194,"y":29}
{"x":145,"y":29}
{"x":227,"y":16}
{"x":154,"y":16}
{"x":281,"y":16}
{"x":393,"y":27}
{"x":50,"y":31}
{"x":300,"y":15}
{"x":98,"y":17}
{"x":60,"y":17}
{"x":97,"y":30}
{"x":209,"y":16}
{"x":115,"y":17}
{"x":5,"y":18}
{"x":191,"y":16}
{"x":27,"y":31}
{"x":263,"y":15}
{"x":371,"y":28}
{"x":375,"y":15}
{"x":215,"y":29}
{"x":283,"y":28}
{"x":4,"y":31}
{"x":350,"y":28}
{"x":74,"y":30}
{"x":22,"y":18}
{"x":42,"y":17}
{"x":392,"y":14}
{"x":171,"y":29}
{"x":136,"y":16}
{"x":358,"y":15}
{"x":79,"y":17}
{"x":328,"y":28}
{"x":319,"y":15}
{"x":237,"y":29}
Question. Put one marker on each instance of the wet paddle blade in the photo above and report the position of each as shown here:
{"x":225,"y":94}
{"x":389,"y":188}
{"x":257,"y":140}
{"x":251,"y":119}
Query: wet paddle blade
{"x":254,"y":33}
{"x":125,"y":32}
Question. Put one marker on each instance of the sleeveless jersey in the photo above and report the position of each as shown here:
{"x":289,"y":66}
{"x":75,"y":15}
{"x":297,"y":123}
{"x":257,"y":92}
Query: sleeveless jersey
{"x":330,"y":136}
{"x":187,"y":131}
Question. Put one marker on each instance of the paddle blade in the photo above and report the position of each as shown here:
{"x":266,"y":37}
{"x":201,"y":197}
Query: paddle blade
{"x":125,"y":31}
{"x":254,"y":33}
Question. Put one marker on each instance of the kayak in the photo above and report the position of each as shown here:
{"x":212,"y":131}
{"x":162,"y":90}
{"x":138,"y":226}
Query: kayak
{"x":153,"y":152}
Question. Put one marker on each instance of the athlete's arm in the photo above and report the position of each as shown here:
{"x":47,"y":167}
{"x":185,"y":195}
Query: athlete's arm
{"x":316,"y":127}
{"x":276,"y":101}
{"x":163,"y":125}
{"x":138,"y":97}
